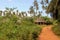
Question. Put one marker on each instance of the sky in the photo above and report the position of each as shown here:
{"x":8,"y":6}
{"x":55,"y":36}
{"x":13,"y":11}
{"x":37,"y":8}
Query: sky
{"x":21,"y":5}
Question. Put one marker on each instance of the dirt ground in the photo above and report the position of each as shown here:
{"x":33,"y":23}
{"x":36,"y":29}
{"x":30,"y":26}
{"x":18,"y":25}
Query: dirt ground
{"x":47,"y":34}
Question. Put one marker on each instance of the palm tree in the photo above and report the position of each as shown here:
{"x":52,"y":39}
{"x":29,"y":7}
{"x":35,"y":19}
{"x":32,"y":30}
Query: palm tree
{"x":17,"y":12}
{"x":42,"y":2}
{"x":54,"y":9}
{"x":26,"y":14}
{"x":47,"y":1}
{"x":22,"y":14}
{"x":39,"y":14}
{"x":36,"y":5}
{"x":32,"y":11}
{"x":4,"y":13}
{"x":9,"y":10}
{"x":13,"y":13}
{"x":0,"y":13}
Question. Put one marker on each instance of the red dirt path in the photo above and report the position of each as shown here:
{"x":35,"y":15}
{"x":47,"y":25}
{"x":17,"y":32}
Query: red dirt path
{"x":47,"y":34}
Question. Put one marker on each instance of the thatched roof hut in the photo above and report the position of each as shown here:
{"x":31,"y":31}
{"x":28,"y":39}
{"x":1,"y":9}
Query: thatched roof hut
{"x":40,"y":21}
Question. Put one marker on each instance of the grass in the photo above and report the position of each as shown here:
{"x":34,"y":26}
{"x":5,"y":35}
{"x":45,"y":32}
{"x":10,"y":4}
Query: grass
{"x":13,"y":28}
{"x":56,"y":30}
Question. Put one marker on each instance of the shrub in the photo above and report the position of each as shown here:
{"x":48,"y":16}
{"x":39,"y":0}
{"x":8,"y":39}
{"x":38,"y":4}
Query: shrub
{"x":55,"y":22}
{"x":56,"y":29}
{"x":26,"y":30}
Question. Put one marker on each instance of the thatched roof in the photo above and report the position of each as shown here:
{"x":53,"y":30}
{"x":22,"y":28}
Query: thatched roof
{"x":40,"y":20}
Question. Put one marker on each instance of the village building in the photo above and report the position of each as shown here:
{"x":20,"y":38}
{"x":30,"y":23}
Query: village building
{"x":40,"y":21}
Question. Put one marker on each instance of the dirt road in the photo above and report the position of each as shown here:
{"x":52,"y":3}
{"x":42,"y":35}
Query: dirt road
{"x":47,"y":34}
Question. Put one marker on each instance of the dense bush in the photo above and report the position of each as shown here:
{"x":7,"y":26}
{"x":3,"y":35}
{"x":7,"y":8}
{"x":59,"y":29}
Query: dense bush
{"x":48,"y":20}
{"x":14,"y":28}
{"x":56,"y":29}
{"x":55,"y":22}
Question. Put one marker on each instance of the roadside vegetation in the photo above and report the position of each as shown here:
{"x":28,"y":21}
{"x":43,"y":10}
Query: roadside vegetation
{"x":56,"y":30}
{"x":13,"y":28}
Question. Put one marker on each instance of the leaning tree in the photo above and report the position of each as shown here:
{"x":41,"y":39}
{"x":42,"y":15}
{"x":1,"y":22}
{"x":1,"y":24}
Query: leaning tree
{"x":52,"y":7}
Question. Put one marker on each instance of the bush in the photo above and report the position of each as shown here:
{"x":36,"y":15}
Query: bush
{"x":56,"y":29}
{"x":10,"y":30}
{"x":55,"y":22}
{"x":48,"y":20}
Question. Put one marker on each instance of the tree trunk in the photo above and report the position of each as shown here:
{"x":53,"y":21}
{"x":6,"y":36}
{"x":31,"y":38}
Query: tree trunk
{"x":55,"y":14}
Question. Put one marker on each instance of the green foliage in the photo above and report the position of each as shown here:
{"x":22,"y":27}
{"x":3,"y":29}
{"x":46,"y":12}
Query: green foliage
{"x":48,"y":20}
{"x":54,"y":9}
{"x":56,"y":29}
{"x":12,"y":29}
{"x":55,"y":22}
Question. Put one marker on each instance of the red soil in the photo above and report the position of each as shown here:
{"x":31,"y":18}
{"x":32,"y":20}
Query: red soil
{"x":47,"y":34}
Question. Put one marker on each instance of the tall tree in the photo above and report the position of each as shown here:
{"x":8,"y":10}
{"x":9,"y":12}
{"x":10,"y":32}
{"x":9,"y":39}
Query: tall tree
{"x":4,"y":12}
{"x":39,"y":14}
{"x":25,"y":14}
{"x":17,"y":12}
{"x":36,"y":5}
{"x":53,"y":8}
{"x":13,"y":13}
{"x":22,"y":14}
{"x":32,"y":11}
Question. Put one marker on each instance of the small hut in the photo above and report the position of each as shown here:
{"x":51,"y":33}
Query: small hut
{"x":40,"y":21}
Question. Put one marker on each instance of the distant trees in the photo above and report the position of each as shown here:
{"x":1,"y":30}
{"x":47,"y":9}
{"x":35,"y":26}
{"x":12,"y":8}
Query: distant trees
{"x":34,"y":9}
{"x":22,"y":14}
{"x":10,"y":11}
{"x":17,"y":12}
{"x":0,"y":12}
